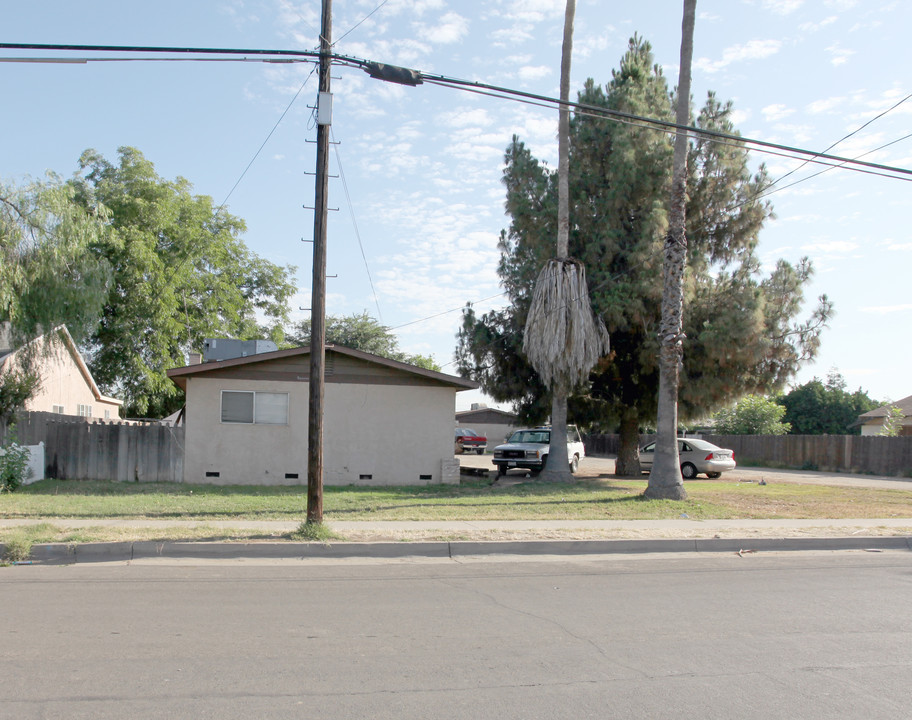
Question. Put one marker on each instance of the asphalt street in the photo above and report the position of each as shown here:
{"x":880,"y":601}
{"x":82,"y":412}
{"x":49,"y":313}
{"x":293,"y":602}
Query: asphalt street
{"x":778,"y":635}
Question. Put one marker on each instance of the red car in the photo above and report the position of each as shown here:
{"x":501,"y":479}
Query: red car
{"x":468,"y":440}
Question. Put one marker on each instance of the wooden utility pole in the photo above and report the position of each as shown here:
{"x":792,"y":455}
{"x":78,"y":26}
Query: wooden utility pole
{"x":318,"y":297}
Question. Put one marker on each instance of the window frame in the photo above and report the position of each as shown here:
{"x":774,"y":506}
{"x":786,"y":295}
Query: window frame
{"x":255,"y":417}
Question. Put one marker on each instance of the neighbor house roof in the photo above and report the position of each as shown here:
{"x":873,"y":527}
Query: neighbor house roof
{"x":905,"y":405}
{"x":486,"y":414}
{"x":70,"y":344}
{"x":180,"y":375}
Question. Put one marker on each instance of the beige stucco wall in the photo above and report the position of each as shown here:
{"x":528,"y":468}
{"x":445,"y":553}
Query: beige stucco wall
{"x":393,"y":433}
{"x":876,"y":427}
{"x":62,"y":383}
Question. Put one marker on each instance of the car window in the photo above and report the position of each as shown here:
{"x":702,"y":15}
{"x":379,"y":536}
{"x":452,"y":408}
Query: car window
{"x":470,"y":432}
{"x":649,"y":448}
{"x":685,"y":447}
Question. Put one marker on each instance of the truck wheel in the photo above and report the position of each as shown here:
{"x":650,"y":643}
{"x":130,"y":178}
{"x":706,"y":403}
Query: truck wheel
{"x":480,"y":451}
{"x":574,"y":464}
{"x":501,"y":470}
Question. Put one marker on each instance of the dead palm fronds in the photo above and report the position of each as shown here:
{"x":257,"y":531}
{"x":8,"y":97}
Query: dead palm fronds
{"x":563,"y":338}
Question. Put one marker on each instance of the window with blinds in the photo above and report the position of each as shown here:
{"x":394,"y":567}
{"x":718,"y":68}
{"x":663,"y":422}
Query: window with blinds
{"x":254,"y":408}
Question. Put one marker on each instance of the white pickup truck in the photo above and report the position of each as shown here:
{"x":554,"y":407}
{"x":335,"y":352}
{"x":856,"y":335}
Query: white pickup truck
{"x":528,"y":449}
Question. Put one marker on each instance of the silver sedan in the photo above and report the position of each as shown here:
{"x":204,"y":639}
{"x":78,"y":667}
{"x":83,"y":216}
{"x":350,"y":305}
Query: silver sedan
{"x":697,"y":456}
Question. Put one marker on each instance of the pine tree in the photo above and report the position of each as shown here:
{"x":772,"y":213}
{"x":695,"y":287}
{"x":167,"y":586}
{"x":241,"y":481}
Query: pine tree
{"x":742,"y":334}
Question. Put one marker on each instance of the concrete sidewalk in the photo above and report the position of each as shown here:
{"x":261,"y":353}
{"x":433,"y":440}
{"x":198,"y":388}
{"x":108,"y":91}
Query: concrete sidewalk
{"x":464,"y":539}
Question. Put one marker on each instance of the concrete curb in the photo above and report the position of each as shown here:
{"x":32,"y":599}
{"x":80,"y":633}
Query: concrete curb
{"x":66,"y":554}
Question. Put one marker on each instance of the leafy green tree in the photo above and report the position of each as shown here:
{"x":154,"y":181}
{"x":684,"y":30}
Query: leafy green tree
{"x":359,"y":331}
{"x":48,"y":277}
{"x":825,"y":407}
{"x":16,"y":387}
{"x":180,"y":273}
{"x":752,"y":415}
{"x":741,"y":330}
{"x":893,"y":422}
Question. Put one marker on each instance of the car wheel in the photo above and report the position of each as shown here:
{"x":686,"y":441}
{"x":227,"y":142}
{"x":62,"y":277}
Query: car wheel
{"x":574,"y":464}
{"x":480,"y":451}
{"x":689,"y":471}
{"x":713,"y":476}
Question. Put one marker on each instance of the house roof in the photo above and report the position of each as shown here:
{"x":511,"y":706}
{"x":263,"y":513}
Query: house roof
{"x":180,"y":375}
{"x":64,"y":334}
{"x":905,"y":405}
{"x":486,"y":413}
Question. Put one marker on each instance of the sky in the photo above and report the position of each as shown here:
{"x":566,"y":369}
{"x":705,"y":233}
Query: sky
{"x":418,"y":186}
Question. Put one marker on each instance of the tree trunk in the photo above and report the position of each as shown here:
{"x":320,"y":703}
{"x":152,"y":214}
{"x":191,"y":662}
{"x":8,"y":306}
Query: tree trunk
{"x":557,"y":467}
{"x":665,"y":481}
{"x":628,"y":459}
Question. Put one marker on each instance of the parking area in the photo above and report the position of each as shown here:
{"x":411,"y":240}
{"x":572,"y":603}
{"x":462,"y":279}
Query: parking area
{"x":603,"y":467}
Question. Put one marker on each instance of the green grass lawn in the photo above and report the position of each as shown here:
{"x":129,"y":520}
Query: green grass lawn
{"x":473,"y":500}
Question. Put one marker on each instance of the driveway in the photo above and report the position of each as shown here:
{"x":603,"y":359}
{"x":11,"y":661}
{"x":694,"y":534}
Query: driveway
{"x":603,"y":467}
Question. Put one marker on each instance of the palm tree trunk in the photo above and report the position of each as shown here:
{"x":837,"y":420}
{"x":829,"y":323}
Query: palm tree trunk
{"x":557,"y":467}
{"x":665,"y":479}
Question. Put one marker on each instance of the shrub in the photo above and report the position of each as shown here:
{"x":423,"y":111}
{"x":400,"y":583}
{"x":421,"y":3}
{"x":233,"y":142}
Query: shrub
{"x":14,"y":467}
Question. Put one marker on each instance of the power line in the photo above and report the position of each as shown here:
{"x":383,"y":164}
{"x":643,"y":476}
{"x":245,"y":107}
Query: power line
{"x":263,"y":144}
{"x":413,"y":77}
{"x":359,"y":23}
{"x":351,"y":211}
{"x":843,"y":139}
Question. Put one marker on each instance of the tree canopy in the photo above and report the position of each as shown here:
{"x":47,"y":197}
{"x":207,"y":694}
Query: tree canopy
{"x":180,"y":273}
{"x":825,"y":407}
{"x":752,"y":415}
{"x":360,"y":331}
{"x":742,"y":335}
{"x":48,"y":276}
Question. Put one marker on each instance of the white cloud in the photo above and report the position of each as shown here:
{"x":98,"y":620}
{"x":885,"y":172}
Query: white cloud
{"x":832,"y":247}
{"x":752,"y":50}
{"x":841,"y":5}
{"x":782,"y":7}
{"x":772,"y":113}
{"x":886,"y":309}
{"x":462,"y":117}
{"x":537,"y":72}
{"x":739,"y":117}
{"x":907,"y":247}
{"x":814,"y":27}
{"x":825,"y":105}
{"x":535,"y":10}
{"x":511,"y":36}
{"x":839,"y":56}
{"x":592,"y":43}
{"x":449,"y":29}
{"x":412,"y":7}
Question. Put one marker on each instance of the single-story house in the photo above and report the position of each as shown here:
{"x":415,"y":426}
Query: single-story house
{"x":872,"y":422}
{"x":67,"y":386}
{"x":384,"y":423}
{"x":496,"y":425}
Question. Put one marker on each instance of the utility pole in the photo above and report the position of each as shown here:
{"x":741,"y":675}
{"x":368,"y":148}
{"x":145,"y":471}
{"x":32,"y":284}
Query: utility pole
{"x":318,"y":297}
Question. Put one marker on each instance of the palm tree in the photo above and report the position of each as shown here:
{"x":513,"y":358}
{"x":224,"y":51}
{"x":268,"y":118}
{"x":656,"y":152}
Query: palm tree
{"x":563,"y":340}
{"x":665,"y":479}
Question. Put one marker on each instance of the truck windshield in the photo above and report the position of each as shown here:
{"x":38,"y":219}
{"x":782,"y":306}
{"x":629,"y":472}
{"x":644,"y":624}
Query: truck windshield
{"x":531,"y":436}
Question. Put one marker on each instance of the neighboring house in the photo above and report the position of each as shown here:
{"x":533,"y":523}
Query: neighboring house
{"x":67,"y":387}
{"x":872,"y":422}
{"x":384,"y":423}
{"x":496,"y":425}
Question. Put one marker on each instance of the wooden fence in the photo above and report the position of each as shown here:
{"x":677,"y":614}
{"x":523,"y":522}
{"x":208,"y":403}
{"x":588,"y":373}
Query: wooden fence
{"x":76,"y":449}
{"x":834,"y":453}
